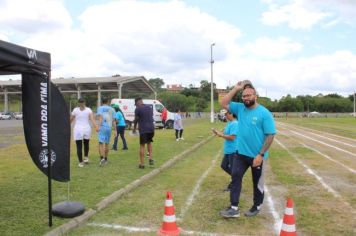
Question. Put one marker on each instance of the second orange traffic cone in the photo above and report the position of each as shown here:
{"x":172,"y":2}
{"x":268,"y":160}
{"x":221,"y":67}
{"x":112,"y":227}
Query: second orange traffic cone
{"x":169,"y":225}
{"x":288,"y":225}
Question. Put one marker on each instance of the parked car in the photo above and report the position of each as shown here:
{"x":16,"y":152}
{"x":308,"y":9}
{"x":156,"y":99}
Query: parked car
{"x":18,"y":116}
{"x":5,"y":116}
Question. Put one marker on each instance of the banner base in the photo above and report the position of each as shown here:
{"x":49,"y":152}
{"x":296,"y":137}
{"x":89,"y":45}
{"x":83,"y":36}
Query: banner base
{"x":68,"y":209}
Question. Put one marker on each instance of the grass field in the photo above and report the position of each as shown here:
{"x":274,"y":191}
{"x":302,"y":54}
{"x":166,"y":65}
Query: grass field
{"x":317,"y":169}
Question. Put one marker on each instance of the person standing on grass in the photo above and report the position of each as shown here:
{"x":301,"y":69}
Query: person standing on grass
{"x":144,"y":119}
{"x":230,"y":143}
{"x":164,"y":117}
{"x":178,"y":125}
{"x":120,"y":128}
{"x":256,"y":132}
{"x":82,"y":131}
{"x":106,"y":116}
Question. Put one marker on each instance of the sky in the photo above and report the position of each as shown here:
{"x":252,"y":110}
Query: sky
{"x":296,"y":47}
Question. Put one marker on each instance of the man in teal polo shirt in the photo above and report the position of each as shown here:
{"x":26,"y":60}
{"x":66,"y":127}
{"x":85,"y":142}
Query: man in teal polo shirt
{"x":256,"y":132}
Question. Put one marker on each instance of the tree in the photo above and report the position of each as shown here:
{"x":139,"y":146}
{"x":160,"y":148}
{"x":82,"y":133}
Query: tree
{"x":190,"y":92}
{"x":205,"y":90}
{"x":174,"y":101}
{"x":156,"y":83}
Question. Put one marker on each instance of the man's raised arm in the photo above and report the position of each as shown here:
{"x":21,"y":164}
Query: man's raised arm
{"x":224,"y":102}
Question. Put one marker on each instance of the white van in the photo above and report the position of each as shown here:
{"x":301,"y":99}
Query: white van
{"x":128,"y":107}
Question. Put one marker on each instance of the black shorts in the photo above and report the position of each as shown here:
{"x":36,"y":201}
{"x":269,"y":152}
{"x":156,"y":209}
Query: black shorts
{"x":146,"y":138}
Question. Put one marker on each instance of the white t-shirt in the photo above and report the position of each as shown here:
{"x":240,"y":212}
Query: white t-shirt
{"x":82,"y":117}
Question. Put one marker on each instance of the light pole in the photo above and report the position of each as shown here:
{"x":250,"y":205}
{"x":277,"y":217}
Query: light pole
{"x":354,"y":104}
{"x":211,"y":85}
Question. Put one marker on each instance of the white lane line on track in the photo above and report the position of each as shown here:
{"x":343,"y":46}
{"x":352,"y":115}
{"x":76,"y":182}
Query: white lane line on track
{"x":333,"y":140}
{"x":329,"y":145}
{"x":322,"y":154}
{"x":277,"y":220}
{"x":310,"y":171}
{"x":196,"y":189}
{"x":321,"y":181}
{"x":131,"y":229}
{"x":314,"y":130}
{"x":329,"y":158}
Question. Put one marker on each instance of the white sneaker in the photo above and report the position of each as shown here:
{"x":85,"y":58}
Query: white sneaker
{"x":181,"y":138}
{"x":102,"y":162}
{"x":177,"y":139}
{"x":86,"y":160}
{"x":81,"y":164}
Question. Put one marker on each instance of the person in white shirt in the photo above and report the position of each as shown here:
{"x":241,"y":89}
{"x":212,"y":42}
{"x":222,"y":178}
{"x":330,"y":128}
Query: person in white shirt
{"x":178,"y":125}
{"x":82,"y":130}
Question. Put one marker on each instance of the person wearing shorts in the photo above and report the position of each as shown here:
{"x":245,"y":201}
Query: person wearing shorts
{"x":144,"y":119}
{"x":82,"y":116}
{"x":106,"y":118}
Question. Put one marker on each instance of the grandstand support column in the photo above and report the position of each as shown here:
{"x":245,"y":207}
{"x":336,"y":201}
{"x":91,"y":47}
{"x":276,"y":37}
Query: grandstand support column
{"x":119,"y":89}
{"x":99,"y":96}
{"x":79,"y":93}
{"x":6,"y":101}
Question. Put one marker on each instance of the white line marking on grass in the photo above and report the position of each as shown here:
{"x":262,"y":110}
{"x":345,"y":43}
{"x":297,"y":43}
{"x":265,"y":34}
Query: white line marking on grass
{"x":196,"y":189}
{"x":331,"y":139}
{"x":329,"y":145}
{"x":326,"y":156}
{"x":131,"y":229}
{"x":314,"y":130}
{"x":277,"y":219}
{"x":327,"y":187}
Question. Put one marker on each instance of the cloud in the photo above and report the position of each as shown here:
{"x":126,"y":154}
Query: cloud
{"x":296,"y":14}
{"x":305,"y":14}
{"x":273,"y":48}
{"x":31,"y":17}
{"x":172,"y":41}
{"x":328,"y":73}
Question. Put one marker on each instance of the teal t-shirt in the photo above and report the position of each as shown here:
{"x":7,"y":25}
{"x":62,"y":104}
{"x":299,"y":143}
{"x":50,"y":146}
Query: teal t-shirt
{"x":120,"y":119}
{"x":254,"y":125}
{"x":230,"y":146}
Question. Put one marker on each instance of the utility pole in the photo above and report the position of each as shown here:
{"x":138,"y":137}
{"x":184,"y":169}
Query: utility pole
{"x":354,"y":104}
{"x":212,"y":86}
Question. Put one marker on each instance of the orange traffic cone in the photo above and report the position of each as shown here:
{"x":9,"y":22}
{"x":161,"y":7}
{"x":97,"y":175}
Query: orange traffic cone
{"x":169,"y":225}
{"x":288,"y":226}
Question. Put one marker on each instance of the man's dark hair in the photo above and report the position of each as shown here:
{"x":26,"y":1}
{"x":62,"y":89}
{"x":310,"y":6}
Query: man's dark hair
{"x":249,"y":86}
{"x":105,"y":100}
{"x":137,"y":99}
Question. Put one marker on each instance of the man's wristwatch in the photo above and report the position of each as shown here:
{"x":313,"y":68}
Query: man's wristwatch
{"x":262,"y":154}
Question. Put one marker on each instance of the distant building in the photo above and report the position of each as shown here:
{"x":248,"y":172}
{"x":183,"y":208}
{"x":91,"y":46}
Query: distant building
{"x":175,"y":88}
{"x":221,"y":93}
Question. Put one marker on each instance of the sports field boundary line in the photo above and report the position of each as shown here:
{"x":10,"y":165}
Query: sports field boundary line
{"x":320,"y":153}
{"x":196,"y":188}
{"x":316,"y":130}
{"x":318,"y":135}
{"x":318,"y":178}
{"x":132,"y":229}
{"x":79,"y":220}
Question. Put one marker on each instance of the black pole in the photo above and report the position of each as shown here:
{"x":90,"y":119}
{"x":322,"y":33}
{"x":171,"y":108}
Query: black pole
{"x":49,"y":161}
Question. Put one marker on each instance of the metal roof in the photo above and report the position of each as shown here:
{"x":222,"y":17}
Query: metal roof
{"x":90,"y":84}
